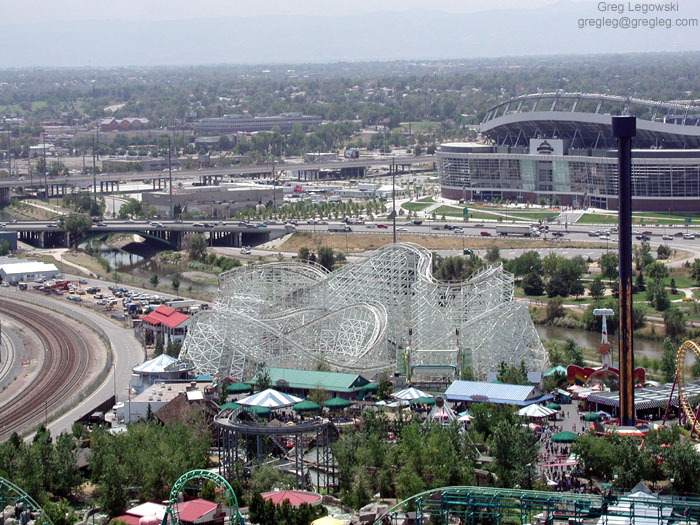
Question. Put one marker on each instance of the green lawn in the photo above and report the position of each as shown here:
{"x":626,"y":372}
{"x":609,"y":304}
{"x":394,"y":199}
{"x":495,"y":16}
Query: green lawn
{"x":534,"y":215}
{"x":426,"y":199}
{"x":644,"y":218}
{"x":39,"y":104}
{"x":415,"y":206}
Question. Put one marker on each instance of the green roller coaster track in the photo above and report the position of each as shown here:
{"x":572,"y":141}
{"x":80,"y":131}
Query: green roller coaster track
{"x":231,"y":500}
{"x":11,"y":494}
{"x":491,"y":505}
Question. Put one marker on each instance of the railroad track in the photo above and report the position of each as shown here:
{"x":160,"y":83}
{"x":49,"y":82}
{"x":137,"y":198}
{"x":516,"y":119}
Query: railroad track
{"x":66,"y":359}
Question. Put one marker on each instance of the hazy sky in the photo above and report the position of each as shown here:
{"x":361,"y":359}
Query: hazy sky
{"x":24,"y":11}
{"x":66,"y":33}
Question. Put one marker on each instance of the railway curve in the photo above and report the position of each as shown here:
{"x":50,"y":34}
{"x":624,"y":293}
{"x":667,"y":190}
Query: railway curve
{"x":65,"y":365}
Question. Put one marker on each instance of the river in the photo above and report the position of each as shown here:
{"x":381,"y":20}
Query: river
{"x":586,"y":339}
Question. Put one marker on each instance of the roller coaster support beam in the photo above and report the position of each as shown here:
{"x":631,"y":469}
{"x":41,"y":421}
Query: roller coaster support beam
{"x":624,"y":128}
{"x":668,"y":403}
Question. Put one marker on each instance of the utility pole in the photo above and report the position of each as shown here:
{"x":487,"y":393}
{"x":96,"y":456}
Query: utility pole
{"x":170,"y":175}
{"x":46,"y":171}
{"x":94,"y":170}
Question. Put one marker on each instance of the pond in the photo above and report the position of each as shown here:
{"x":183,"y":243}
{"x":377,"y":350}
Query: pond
{"x":136,"y":259}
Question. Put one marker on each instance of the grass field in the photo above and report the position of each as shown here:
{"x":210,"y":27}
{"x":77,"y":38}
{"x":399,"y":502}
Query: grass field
{"x":415,"y":206}
{"x":645,"y":218}
{"x":426,"y":199}
{"x":360,"y":242}
{"x":39,"y":104}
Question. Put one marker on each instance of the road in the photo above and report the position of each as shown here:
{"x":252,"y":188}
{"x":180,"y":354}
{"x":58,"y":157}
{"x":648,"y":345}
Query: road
{"x":231,"y":171}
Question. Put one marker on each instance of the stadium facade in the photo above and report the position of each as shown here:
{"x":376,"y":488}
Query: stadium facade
{"x":559,"y":146}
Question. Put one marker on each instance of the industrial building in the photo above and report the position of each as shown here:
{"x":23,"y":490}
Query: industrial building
{"x":559,"y":147}
{"x":250,"y":124}
{"x":214,"y":201}
{"x":21,"y":270}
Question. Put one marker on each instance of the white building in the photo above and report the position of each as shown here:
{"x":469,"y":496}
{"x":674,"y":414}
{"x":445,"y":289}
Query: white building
{"x":27,"y":271}
{"x":158,"y":395}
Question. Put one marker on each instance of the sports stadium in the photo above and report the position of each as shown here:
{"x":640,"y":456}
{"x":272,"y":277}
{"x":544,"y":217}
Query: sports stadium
{"x":559,"y":146}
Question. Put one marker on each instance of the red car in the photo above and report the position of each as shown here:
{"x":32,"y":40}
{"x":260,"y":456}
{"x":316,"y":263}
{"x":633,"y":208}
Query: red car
{"x":485,"y":234}
{"x":382,"y":226}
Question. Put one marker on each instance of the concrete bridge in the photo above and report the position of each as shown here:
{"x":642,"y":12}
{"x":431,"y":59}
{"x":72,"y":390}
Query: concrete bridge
{"x":174,"y":234}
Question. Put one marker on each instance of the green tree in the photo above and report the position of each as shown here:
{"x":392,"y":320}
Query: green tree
{"x":326,"y":258}
{"x":668,"y":360}
{"x":639,"y":282}
{"x":175,"y":283}
{"x":663,"y":251}
{"x":76,"y":226}
{"x":657,"y":295}
{"x":657,"y":271}
{"x":131,"y":209}
{"x":4,"y":247}
{"x":514,"y":454}
{"x":596,"y":288}
{"x":555,"y":309}
{"x":526,"y":264}
{"x":303,"y":254}
{"x":493,"y":254}
{"x":674,"y":320}
{"x":609,"y":266}
{"x":262,"y":376}
{"x":158,"y":344}
{"x":154,"y":280}
{"x":573,"y":352}
{"x":384,"y":386}
{"x":532,"y":284}
{"x":681,"y":463}
{"x":695,"y":270}
{"x":198,"y":247}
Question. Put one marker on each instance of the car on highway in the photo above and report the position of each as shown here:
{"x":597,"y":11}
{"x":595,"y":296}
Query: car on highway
{"x":401,"y":229}
{"x":243,"y":224}
{"x":458,"y":230}
{"x":178,"y":221}
{"x":198,"y":225}
{"x":485,"y":234}
{"x":382,"y":226}
{"x":678,"y":234}
{"x":593,"y":234}
{"x":101,"y":225}
{"x":557,"y":234}
{"x":261,"y":225}
{"x":689,"y":236}
{"x":52,"y":225}
{"x":82,"y":281}
{"x":648,"y":233}
{"x":245,"y":250}
{"x":667,"y":237}
{"x":644,"y":237}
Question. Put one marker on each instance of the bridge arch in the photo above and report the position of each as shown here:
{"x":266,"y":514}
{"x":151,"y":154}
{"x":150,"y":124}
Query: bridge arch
{"x":200,"y":474}
{"x":11,"y":494}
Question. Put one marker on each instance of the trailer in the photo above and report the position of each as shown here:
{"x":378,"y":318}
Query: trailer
{"x":516,"y":231}
{"x":339,"y":228}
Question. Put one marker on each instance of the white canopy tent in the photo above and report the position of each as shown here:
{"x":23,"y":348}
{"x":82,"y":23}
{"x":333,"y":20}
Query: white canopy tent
{"x":536,"y":411}
{"x":409,"y":393}
{"x":271,"y":399}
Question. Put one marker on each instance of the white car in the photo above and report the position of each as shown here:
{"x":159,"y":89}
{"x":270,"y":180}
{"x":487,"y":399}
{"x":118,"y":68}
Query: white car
{"x":245,"y":250}
{"x":667,"y":237}
{"x":401,"y":229}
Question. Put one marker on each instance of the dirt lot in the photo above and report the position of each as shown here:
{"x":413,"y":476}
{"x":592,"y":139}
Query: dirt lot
{"x":358,"y":242}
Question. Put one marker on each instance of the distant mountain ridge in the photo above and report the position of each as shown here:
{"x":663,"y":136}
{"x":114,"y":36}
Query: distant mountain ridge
{"x":419,"y":34}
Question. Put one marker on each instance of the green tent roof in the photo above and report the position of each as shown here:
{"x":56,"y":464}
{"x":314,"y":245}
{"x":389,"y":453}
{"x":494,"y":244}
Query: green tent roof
{"x":306,"y":406}
{"x":232,"y":406}
{"x":371,"y":387}
{"x":337,"y":402}
{"x":593,"y":416}
{"x":238,"y":388}
{"x":423,"y":401}
{"x":314,"y":379}
{"x":258,"y":411}
{"x":553,"y":406}
{"x":564,"y":437}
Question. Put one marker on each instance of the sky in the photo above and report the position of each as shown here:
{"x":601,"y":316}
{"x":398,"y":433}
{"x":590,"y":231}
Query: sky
{"x":108,"y":33}
{"x":22,"y":11}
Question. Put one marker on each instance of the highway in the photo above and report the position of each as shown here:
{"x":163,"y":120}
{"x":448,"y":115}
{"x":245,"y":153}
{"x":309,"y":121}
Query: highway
{"x":231,"y":171}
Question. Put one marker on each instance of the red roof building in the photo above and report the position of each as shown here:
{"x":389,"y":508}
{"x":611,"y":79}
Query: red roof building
{"x":295,"y":497}
{"x":195,"y":512}
{"x":169,"y":323}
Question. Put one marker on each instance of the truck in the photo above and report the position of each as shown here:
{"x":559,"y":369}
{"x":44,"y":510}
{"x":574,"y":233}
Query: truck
{"x":516,"y":231}
{"x":339,"y":228}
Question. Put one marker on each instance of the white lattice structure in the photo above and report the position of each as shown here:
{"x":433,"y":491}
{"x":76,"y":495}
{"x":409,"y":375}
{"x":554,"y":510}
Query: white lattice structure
{"x":365,"y":317}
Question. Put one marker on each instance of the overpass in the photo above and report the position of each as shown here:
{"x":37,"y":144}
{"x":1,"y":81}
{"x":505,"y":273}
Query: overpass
{"x":174,"y":234}
{"x":109,"y":182}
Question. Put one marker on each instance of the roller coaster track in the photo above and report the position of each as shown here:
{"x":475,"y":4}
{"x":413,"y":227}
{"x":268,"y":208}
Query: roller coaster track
{"x":65,"y":364}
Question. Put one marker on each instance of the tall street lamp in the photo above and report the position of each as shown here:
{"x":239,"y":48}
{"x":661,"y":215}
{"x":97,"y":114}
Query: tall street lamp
{"x":393,"y":196}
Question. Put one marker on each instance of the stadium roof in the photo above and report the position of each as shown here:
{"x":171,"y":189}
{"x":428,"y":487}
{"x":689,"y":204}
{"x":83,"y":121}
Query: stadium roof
{"x":500,"y":393}
{"x":585,"y":120}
